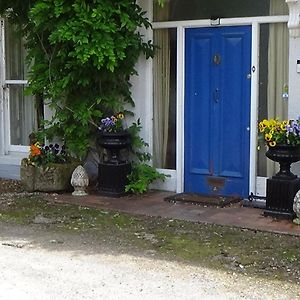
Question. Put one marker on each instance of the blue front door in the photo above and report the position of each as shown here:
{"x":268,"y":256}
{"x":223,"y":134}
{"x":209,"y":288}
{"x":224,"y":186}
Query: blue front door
{"x":217,"y":110}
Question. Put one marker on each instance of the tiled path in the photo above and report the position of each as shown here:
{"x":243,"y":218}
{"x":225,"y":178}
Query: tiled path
{"x":153,"y":204}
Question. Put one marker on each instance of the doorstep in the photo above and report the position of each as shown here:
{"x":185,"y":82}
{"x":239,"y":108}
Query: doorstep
{"x":153,"y":204}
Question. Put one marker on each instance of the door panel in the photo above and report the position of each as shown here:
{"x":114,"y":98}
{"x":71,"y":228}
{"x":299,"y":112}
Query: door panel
{"x":201,"y":46}
{"x":217,"y":110}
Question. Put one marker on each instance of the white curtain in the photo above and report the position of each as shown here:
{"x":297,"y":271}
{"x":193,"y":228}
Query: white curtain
{"x":161,"y":91}
{"x":22,"y":110}
{"x":277,"y":69}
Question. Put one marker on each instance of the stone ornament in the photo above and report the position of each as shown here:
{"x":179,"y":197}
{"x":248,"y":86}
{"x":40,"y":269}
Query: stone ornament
{"x":79,"y":181}
{"x":296,"y":208}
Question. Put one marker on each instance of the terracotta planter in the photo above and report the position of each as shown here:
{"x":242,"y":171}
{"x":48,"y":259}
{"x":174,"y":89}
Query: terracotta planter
{"x":49,"y":178}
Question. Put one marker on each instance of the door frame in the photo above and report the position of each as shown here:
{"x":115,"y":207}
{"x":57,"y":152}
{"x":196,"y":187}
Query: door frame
{"x":254,"y":22}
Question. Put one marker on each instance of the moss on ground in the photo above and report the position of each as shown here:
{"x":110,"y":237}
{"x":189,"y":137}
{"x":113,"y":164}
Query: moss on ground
{"x":231,"y":249}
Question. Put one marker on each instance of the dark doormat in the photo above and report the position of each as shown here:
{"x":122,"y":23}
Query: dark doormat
{"x":200,"y":199}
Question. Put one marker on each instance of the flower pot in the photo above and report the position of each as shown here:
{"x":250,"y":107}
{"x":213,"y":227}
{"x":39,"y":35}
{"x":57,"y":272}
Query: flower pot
{"x":285,"y":155}
{"x":114,"y":142}
{"x":48,"y":178}
{"x":113,"y":171}
{"x":283,"y":186}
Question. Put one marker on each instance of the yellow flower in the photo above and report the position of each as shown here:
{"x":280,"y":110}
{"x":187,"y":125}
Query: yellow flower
{"x":268,"y":137}
{"x":285,"y":122}
{"x":120,"y":116}
{"x":282,"y":126}
{"x":272,"y":144}
{"x":265,"y":122}
{"x":261,"y":127}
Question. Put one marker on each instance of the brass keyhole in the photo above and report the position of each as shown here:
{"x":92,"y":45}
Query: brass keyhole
{"x":217,"y":59}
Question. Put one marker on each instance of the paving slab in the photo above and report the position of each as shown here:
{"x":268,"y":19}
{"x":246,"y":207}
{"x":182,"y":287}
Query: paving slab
{"x":153,"y":204}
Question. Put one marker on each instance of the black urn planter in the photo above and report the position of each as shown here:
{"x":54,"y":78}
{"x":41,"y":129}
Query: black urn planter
{"x":285,"y":155}
{"x":114,"y":142}
{"x":283,"y":186}
{"x":113,"y":171}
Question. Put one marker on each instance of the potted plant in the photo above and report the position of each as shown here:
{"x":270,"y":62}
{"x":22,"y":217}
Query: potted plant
{"x":113,"y":169}
{"x":48,"y":168}
{"x":113,"y":137}
{"x":283,"y":141}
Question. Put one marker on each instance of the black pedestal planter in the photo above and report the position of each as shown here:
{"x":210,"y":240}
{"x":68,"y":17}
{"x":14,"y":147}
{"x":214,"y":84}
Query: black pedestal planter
{"x":282,"y":187}
{"x":280,"y":197}
{"x":112,"y":179}
{"x":113,"y":171}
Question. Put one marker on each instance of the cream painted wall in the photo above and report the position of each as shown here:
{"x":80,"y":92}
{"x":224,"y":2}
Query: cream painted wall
{"x":294,"y":87}
{"x":142,"y":86}
{"x":294,"y":79}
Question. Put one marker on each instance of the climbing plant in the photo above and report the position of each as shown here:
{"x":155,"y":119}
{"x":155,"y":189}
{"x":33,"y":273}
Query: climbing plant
{"x":82,"y":54}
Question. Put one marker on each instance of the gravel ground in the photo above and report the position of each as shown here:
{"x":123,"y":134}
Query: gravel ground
{"x":39,"y":265}
{"x":10,"y":186}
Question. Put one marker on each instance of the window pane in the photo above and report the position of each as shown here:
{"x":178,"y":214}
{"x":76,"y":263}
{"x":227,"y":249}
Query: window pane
{"x":164,"y":95}
{"x":207,"y":9}
{"x":14,"y":54}
{"x":22,"y":116}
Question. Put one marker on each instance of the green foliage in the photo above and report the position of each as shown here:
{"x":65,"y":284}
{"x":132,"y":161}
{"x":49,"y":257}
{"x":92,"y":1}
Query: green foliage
{"x":138,"y":145}
{"x":82,"y":54}
{"x":16,"y":10}
{"x":161,"y":2}
{"x":142,"y":174}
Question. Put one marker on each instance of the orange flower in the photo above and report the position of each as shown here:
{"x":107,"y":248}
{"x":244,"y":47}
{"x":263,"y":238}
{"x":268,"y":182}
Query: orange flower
{"x":34,"y":150}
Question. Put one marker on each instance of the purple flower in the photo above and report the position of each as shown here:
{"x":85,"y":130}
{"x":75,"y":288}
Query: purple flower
{"x":107,"y":122}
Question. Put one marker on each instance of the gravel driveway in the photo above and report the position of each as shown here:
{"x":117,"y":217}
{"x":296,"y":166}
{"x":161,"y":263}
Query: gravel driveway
{"x":44,"y":265}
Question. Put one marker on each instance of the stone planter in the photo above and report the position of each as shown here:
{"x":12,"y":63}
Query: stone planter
{"x":49,"y":178}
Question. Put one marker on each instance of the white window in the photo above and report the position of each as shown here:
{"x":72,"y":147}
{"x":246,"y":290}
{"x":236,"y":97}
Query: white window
{"x":18,"y":117}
